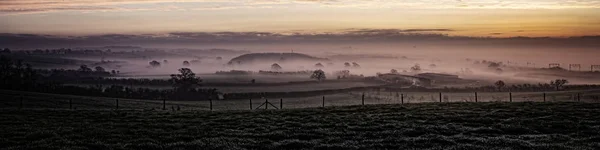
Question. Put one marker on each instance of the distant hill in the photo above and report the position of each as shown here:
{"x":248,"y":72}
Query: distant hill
{"x":273,"y":57}
{"x":122,"y":47}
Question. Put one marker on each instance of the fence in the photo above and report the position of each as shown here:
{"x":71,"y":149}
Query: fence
{"x":50,"y":101}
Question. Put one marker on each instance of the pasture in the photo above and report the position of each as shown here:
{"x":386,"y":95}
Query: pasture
{"x":30,"y":100}
{"x":519,"y":125}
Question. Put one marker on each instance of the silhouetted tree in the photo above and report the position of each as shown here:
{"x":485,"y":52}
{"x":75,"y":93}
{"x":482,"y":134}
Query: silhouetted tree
{"x":275,"y":67}
{"x":415,"y":68}
{"x":319,"y":65}
{"x":347,"y":65}
{"x":113,"y":72}
{"x":319,"y":75}
{"x":100,"y":69}
{"x":6,"y":50}
{"x":186,"y":63}
{"x":558,"y":83}
{"x":499,"y":84}
{"x":342,"y":74}
{"x":165,"y":61}
{"x":355,"y":65}
{"x":394,"y":71}
{"x":84,"y":68}
{"x":185,"y":80}
{"x":154,"y":63}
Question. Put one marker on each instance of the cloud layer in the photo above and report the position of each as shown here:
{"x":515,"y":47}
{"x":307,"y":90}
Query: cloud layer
{"x":37,"y":6}
{"x":349,"y":36}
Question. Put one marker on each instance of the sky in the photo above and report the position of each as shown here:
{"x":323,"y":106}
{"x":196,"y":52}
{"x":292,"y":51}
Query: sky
{"x":471,"y":18}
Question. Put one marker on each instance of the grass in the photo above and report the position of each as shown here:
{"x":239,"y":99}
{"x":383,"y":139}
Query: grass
{"x":523,"y":125}
{"x":31,"y":100}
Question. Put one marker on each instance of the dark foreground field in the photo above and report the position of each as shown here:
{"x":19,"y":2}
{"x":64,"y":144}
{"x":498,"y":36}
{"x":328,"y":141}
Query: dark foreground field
{"x":420,"y":126}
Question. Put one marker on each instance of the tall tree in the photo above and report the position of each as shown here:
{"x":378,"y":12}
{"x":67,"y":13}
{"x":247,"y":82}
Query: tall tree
{"x":185,"y":80}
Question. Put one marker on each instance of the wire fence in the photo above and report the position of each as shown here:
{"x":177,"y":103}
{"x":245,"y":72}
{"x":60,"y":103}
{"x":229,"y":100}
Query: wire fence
{"x":51,"y":101}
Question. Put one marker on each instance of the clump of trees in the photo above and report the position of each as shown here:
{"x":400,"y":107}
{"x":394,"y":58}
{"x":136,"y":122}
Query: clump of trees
{"x":559,"y":83}
{"x":6,"y":50}
{"x":154,"y":63}
{"x":84,"y":68}
{"x":355,"y":65}
{"x":394,"y":71}
{"x":275,"y":67}
{"x":99,"y":69}
{"x":319,"y":65}
{"x":415,"y":68}
{"x":186,"y":63}
{"x":500,"y":84}
{"x":347,"y":65}
{"x":319,"y":75}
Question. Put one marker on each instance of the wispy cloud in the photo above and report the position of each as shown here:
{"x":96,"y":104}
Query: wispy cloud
{"x":31,"y":6}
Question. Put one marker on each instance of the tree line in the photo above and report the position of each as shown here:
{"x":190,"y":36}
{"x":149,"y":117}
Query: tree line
{"x":18,"y":76}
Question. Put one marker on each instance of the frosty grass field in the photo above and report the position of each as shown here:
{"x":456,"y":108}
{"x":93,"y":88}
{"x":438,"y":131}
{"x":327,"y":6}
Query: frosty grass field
{"x":518,"y":125}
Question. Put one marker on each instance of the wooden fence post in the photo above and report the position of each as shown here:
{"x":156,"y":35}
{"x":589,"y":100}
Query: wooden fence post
{"x":266,"y":103}
{"x":210,"y":100}
{"x":323,"y":101}
{"x":281,"y":103}
{"x":510,"y":96}
{"x":440,"y":97}
{"x":250,"y":104}
{"x":402,"y":98}
{"x":363,"y":99}
{"x":475,"y":97}
{"x":544,"y":96}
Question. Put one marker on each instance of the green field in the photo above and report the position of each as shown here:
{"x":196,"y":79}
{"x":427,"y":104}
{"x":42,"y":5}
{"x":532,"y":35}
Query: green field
{"x":526,"y":125}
